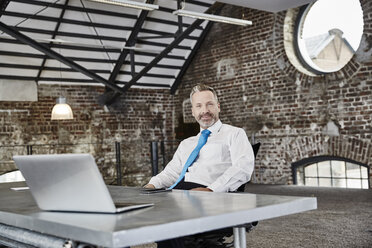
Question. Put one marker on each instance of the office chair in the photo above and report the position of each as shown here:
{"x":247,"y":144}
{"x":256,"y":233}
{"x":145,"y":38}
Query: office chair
{"x":217,"y":238}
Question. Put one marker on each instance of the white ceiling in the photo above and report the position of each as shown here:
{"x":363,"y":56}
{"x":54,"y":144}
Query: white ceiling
{"x":268,"y":5}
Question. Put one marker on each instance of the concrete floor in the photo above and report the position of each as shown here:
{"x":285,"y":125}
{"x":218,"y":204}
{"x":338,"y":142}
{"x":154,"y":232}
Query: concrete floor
{"x":343,"y":219}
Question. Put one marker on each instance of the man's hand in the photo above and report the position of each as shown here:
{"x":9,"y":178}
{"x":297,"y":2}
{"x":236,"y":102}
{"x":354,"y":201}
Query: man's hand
{"x":149,"y":186}
{"x":202,"y":189}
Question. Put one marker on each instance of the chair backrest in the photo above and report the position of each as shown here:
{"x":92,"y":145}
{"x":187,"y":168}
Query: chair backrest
{"x":255,"y":147}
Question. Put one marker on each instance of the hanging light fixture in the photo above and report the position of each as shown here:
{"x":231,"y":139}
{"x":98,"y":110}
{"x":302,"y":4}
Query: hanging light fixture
{"x":130,"y":4}
{"x":61,"y":111}
{"x":209,"y":17}
{"x":215,"y":18}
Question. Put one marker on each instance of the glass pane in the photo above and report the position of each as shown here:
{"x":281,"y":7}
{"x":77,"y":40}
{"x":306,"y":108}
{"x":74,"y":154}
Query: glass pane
{"x":341,"y":183}
{"x":311,"y":181}
{"x":327,"y":39}
{"x":364,"y":172}
{"x":352,"y":170}
{"x":325,"y":182}
{"x":311,"y":171}
{"x":300,"y":177}
{"x":338,"y":168}
{"x":324,"y":169}
{"x":354,"y":183}
{"x":365,"y":184}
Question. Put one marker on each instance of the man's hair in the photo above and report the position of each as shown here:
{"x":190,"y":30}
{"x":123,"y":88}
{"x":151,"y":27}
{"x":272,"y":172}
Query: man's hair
{"x":202,"y":87}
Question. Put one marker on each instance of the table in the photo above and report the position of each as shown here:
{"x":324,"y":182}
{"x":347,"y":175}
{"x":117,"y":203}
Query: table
{"x":177,"y":213}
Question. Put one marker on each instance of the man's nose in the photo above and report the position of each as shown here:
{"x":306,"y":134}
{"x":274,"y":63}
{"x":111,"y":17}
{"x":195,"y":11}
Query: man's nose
{"x":204,"y":109}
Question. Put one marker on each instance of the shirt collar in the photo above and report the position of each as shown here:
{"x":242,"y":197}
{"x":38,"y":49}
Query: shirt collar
{"x":215,"y":127}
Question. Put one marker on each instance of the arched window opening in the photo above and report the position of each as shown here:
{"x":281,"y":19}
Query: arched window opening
{"x":325,"y":171}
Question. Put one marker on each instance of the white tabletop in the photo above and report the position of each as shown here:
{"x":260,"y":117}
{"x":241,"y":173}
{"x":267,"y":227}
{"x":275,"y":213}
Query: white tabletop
{"x":174,"y":214}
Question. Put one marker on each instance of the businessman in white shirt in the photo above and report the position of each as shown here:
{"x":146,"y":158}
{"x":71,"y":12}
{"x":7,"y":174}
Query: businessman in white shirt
{"x":224,"y":163}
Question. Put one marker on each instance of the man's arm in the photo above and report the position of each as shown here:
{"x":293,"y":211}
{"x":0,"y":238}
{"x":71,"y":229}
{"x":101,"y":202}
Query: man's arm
{"x":242,"y":160}
{"x":170,"y":174}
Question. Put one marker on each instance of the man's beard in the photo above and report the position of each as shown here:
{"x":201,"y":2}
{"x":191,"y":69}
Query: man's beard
{"x":208,"y":123}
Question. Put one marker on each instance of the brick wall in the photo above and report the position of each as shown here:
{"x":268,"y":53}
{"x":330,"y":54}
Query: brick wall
{"x":136,"y":119}
{"x":286,"y":110}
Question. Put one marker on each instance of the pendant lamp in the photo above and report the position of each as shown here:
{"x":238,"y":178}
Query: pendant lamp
{"x":61,"y":111}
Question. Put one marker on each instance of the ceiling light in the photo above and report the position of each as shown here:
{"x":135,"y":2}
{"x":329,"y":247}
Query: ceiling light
{"x":62,"y":111}
{"x":131,"y":4}
{"x":95,"y":45}
{"x":214,"y":18}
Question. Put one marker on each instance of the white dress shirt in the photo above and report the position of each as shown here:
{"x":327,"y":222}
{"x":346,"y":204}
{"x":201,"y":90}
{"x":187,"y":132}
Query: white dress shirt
{"x":224,"y":163}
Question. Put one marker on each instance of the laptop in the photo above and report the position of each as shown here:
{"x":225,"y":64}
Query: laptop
{"x":69,"y":182}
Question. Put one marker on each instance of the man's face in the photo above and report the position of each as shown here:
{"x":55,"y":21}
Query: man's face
{"x":205,"y":108}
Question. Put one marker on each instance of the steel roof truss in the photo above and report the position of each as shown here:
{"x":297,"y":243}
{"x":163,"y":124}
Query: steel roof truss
{"x":47,"y":51}
{"x":55,"y":31}
{"x":130,"y":42}
{"x":177,"y":40}
{"x":3,"y":5}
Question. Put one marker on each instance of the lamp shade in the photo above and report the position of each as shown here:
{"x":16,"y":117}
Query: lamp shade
{"x":62,"y":111}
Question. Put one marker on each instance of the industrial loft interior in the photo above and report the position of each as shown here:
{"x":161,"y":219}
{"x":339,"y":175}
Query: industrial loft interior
{"x":99,"y":92}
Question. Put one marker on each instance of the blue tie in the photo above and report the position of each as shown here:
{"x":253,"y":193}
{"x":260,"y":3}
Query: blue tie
{"x":201,"y":142}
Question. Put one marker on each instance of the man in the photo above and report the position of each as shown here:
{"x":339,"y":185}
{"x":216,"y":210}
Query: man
{"x":221,"y":163}
{"x":224,"y":163}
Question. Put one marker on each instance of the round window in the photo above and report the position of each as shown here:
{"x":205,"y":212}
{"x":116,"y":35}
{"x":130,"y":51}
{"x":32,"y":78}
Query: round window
{"x":327,"y":34}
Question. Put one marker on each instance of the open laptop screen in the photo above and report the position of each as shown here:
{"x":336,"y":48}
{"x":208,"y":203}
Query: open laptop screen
{"x":67,"y":182}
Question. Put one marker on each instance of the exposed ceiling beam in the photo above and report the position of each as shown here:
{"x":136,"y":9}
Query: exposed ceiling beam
{"x":66,"y":69}
{"x":179,"y":18}
{"x":130,"y":42}
{"x":187,"y":63}
{"x":132,"y":66}
{"x":105,"y":12}
{"x":58,"y":24}
{"x":96,"y":37}
{"x":74,"y":80}
{"x":23,"y":38}
{"x":70,"y":34}
{"x":3,"y":5}
{"x":88,"y":24}
{"x":80,"y":59}
{"x":215,"y":7}
{"x":96,"y":48}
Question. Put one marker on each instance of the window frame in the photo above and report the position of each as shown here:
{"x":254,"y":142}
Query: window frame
{"x":313,"y":160}
{"x":298,"y":25}
{"x":296,"y":32}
